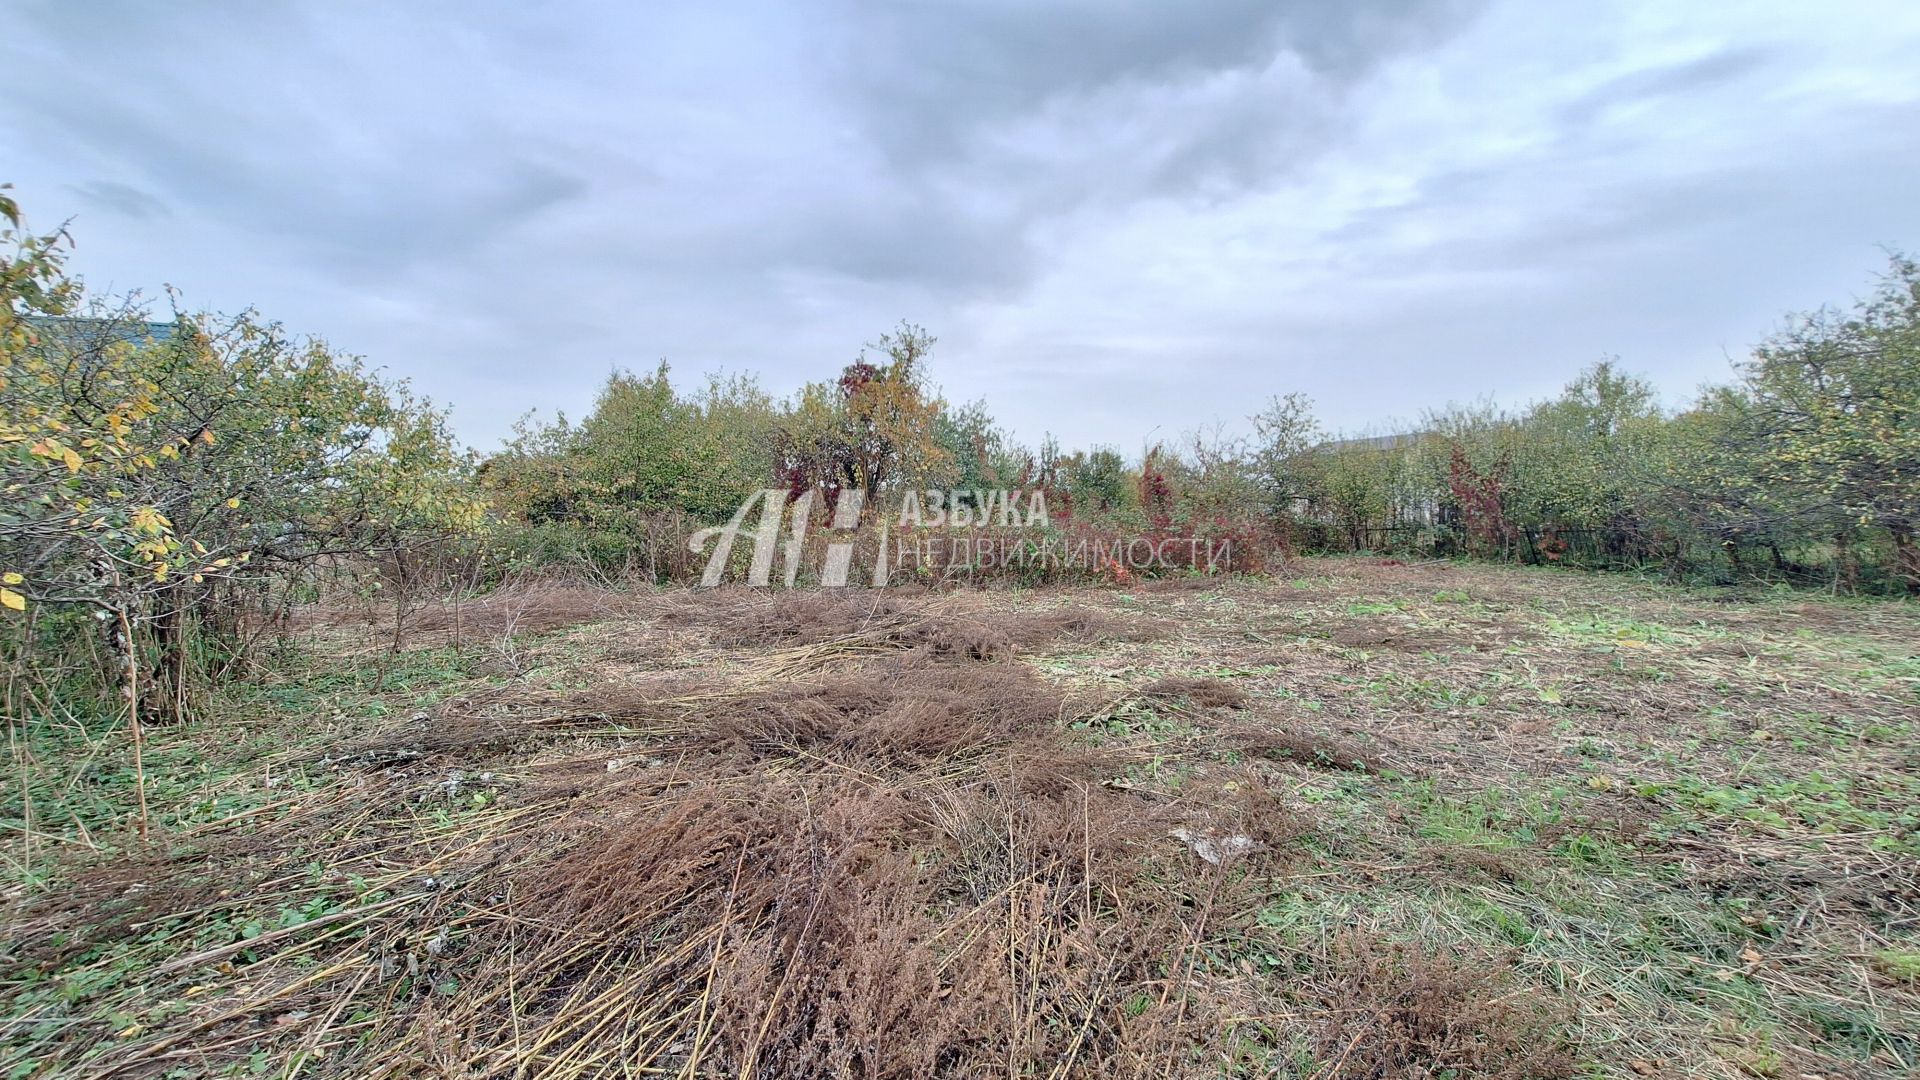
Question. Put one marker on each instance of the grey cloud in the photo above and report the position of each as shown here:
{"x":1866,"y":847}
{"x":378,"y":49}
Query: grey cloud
{"x":1246,"y":141}
{"x":1593,"y":201}
{"x":915,"y":240}
{"x":428,"y":198}
{"x":1166,"y":211}
{"x":931,"y":76}
{"x":1667,"y":80}
{"x":123,"y":199}
{"x":306,"y":154}
{"x":984,"y":120}
{"x":1054,"y":107}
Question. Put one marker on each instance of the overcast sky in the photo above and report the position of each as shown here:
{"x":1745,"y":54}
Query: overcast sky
{"x":1119,"y":218}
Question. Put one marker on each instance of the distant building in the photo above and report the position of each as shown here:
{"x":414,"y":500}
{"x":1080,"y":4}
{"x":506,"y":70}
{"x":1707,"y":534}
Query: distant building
{"x":89,"y":332}
{"x":1406,"y":440}
{"x":1413,"y":502}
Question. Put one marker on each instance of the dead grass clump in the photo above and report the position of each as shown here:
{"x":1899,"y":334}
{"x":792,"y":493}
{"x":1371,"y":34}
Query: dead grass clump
{"x":965,"y":639}
{"x":951,"y":626}
{"x":850,"y":621}
{"x":1000,"y":833}
{"x":1201,"y":692}
{"x":901,"y":870}
{"x":1500,"y":865}
{"x":887,"y":715}
{"x":460,"y":732}
{"x":736,"y":617}
{"x":1306,"y":748}
{"x":103,"y":898}
{"x":500,"y":721}
{"x":454,"y":738}
{"x":1239,"y":817}
{"x":522,"y":608}
{"x":809,"y":925}
{"x":1394,"y":1010}
{"x":1082,"y":625}
{"x":1183,"y":583}
{"x":1049,"y":768}
{"x":739,"y":916}
{"x":1731,"y":648}
{"x":1372,"y":635}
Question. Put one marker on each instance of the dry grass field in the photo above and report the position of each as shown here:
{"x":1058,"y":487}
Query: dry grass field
{"x":1356,"y":820}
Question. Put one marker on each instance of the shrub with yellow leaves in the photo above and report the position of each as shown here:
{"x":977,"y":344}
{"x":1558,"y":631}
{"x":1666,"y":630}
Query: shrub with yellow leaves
{"x":157,"y":474}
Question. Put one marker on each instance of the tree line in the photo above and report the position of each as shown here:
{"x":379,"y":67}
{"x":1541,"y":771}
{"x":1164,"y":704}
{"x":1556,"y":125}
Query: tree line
{"x":1803,"y":468}
{"x":173,"y":487}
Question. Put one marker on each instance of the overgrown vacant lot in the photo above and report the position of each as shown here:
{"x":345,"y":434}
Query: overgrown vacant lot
{"x":1360,"y":820}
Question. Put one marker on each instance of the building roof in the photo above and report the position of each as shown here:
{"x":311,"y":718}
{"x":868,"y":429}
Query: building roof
{"x":1400,"y":441}
{"x":93,"y":331}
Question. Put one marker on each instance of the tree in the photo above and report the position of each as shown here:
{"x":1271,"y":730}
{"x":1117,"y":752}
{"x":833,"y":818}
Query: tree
{"x":646,"y":448}
{"x":1583,"y":457}
{"x":1285,"y":432}
{"x":1361,"y":485}
{"x":1707,"y":487}
{"x":1097,"y":480}
{"x":1829,"y":413}
{"x":982,"y":455}
{"x":1220,"y":476}
{"x":1468,"y":454}
{"x":159,"y":473}
{"x":876,"y":426}
{"x":611,"y":493}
